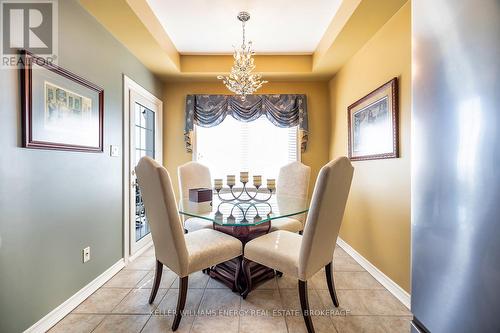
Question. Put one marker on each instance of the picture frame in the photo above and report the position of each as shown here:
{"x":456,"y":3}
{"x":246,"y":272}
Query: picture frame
{"x":373,"y":124}
{"x":60,"y":110}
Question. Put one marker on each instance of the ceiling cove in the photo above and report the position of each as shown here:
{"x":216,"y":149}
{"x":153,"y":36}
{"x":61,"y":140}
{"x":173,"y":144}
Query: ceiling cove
{"x":193,"y":39}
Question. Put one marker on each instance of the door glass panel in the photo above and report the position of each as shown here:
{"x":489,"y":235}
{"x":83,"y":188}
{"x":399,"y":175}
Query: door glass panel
{"x":144,"y":146}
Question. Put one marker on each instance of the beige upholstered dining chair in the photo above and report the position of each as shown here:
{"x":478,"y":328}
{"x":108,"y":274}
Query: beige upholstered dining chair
{"x":194,"y":175}
{"x":181,"y":253}
{"x":303,"y":256}
{"x":293,"y":180}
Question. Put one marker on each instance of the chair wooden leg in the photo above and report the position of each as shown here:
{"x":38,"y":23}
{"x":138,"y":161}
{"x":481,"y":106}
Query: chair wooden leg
{"x":156,"y":283}
{"x":245,"y":266}
{"x":304,"y":304}
{"x":181,"y":302}
{"x":331,"y":284}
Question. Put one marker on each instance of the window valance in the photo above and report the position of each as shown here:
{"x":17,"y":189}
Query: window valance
{"x":281,"y":110}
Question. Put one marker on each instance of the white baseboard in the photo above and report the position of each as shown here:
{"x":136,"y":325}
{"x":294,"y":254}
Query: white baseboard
{"x":65,"y":308}
{"x":390,"y":285}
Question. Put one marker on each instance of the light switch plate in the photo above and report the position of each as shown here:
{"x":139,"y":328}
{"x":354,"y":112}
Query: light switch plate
{"x":86,"y":254}
{"x":114,"y":151}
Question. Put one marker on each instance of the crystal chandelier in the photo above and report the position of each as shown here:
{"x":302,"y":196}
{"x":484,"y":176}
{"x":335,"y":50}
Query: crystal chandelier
{"x":241,"y":80}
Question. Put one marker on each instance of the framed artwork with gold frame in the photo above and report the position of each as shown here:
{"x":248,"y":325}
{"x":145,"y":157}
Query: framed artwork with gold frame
{"x":373,"y":124}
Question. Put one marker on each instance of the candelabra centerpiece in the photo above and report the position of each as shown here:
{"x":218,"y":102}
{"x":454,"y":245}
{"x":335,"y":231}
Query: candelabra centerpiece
{"x":244,"y":194}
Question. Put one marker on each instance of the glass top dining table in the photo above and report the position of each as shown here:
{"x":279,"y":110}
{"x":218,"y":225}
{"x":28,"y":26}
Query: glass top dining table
{"x":241,"y":212}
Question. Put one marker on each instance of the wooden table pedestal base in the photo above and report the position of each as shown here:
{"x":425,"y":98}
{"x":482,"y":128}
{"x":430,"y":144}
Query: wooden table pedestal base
{"x":230,"y":272}
{"x":227,"y":271}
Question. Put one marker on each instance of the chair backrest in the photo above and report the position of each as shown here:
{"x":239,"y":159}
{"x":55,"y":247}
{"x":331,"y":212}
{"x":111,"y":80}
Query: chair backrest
{"x":293,"y":180}
{"x":193,"y":175}
{"x":325,"y":216}
{"x":163,"y":218}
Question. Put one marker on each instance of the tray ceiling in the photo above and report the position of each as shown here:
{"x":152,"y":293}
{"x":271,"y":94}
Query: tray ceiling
{"x":275,"y":27}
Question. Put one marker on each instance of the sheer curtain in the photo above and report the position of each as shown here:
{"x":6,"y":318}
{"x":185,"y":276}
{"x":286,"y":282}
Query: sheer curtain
{"x":258,"y":147}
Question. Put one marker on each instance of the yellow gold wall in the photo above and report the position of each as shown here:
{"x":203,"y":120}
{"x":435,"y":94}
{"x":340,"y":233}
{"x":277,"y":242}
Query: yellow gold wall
{"x":377,"y":218}
{"x":174,"y":153}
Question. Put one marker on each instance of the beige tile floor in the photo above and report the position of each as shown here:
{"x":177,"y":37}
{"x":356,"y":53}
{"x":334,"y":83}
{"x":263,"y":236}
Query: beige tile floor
{"x":121,"y":305}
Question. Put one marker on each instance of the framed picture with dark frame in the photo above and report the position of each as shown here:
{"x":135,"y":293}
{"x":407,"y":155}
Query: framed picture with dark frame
{"x":61,"y":110}
{"x":373,"y":124}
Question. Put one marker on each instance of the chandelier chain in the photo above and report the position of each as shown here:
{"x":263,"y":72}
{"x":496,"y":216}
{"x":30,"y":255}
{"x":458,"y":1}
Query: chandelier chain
{"x":243,"y":26}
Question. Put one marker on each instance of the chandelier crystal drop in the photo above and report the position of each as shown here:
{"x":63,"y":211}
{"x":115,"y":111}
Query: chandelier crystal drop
{"x":241,"y":80}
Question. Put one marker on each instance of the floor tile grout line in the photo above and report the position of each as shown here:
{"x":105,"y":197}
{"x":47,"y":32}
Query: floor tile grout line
{"x":103,"y":287}
{"x":239,"y":317}
{"x":145,"y":323}
{"x":98,"y":324}
{"x":282,"y":306}
{"x":121,"y":300}
{"x":129,"y":314}
{"x":72,"y":311}
{"x":326,"y":306}
{"x":106,"y":315}
{"x":198,"y":308}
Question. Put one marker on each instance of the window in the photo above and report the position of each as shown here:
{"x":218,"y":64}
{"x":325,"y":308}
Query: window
{"x":258,"y":147}
{"x":144,"y":132}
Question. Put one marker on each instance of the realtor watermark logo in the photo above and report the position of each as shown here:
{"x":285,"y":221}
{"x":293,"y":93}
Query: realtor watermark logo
{"x":29,"y":25}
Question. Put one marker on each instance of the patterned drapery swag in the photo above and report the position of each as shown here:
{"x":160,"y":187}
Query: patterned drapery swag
{"x":281,"y":110}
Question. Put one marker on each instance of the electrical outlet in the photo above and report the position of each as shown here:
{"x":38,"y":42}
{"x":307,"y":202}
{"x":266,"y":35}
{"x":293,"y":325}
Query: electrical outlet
{"x":86,"y":254}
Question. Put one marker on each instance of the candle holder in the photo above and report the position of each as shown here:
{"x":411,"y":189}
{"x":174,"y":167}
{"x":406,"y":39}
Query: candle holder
{"x":244,"y":194}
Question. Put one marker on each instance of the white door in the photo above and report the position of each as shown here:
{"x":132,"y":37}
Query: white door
{"x":144,"y":139}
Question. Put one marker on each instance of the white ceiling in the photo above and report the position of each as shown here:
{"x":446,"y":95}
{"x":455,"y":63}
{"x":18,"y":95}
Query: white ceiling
{"x":275,"y":26}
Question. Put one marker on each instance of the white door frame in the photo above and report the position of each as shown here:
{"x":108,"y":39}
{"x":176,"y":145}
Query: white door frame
{"x":133,"y":91}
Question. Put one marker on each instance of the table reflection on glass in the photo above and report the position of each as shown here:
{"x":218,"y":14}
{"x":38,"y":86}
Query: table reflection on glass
{"x":245,"y":221}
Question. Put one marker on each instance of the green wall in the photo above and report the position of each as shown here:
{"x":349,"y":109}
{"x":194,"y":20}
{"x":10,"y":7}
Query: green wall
{"x":55,"y":203}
